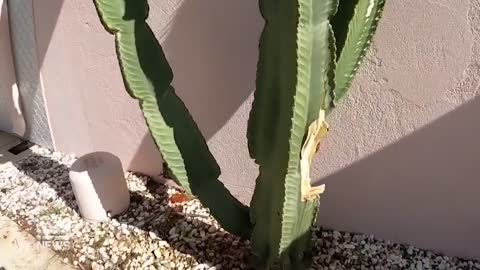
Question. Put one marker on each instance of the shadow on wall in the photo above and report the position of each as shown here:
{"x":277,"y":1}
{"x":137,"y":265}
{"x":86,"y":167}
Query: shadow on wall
{"x":213,"y":53}
{"x":439,"y":168}
{"x":45,"y":30}
{"x":11,"y":118}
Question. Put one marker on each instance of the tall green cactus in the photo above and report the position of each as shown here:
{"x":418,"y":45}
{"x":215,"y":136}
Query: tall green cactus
{"x":309,"y":53}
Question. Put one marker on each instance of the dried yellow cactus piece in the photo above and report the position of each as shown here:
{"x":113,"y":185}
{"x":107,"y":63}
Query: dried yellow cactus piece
{"x":317,"y":131}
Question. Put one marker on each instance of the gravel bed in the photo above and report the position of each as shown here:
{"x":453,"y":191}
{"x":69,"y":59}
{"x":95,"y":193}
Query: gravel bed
{"x":164,"y":229}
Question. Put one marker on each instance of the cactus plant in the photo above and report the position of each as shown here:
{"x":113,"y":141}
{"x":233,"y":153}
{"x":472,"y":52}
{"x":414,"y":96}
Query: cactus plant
{"x":309,"y":53}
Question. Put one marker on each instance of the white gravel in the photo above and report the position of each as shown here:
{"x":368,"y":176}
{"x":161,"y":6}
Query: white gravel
{"x":158,"y":233}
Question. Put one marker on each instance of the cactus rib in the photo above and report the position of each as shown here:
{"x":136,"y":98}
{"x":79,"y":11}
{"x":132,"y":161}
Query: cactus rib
{"x":363,"y":24}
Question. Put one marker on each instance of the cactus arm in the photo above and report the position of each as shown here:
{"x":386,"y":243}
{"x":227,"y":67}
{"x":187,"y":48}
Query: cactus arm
{"x":147,"y":77}
{"x":354,"y":42}
{"x":294,"y":77}
{"x":268,"y":130}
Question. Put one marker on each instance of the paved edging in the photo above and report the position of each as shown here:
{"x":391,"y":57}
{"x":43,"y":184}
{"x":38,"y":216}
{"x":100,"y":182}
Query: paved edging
{"x":20,"y":250}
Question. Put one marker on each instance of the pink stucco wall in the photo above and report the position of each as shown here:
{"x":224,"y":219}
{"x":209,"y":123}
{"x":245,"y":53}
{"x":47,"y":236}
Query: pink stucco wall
{"x":401,"y":161}
{"x":89,"y":109}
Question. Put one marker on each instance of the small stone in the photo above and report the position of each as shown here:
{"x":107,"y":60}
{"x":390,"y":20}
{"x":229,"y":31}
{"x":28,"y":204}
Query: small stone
{"x":104,"y":256}
{"x":122,"y":246}
{"x":114,"y":258}
{"x":157,"y":254}
{"x":96,"y":266}
{"x":174,"y":236}
{"x":212,"y":229}
{"x":202,"y":266}
{"x":152,"y":235}
{"x":147,"y":262}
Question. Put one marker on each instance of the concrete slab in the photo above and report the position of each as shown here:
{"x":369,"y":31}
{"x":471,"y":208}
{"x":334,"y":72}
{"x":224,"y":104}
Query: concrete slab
{"x":20,"y":250}
{"x":8,"y":141}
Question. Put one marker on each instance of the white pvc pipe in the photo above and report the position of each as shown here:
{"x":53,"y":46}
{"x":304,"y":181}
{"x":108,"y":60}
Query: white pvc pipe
{"x":99,"y":186}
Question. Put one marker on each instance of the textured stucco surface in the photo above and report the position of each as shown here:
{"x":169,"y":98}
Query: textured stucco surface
{"x":28,"y":73}
{"x":400,"y":161}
